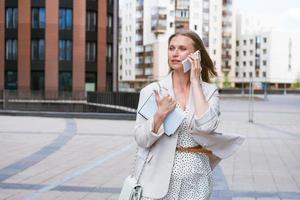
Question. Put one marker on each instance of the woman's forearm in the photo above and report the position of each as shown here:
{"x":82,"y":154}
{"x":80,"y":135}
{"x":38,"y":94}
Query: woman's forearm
{"x":158,"y":120}
{"x":200,"y":103}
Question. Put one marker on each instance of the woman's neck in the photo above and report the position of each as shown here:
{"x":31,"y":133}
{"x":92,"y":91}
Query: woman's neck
{"x":181,"y":80}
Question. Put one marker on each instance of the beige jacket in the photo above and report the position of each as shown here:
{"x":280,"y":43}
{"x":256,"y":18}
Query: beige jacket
{"x":156,"y":174}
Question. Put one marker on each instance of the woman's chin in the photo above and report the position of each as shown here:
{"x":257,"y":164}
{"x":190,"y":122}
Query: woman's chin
{"x":176,"y":67}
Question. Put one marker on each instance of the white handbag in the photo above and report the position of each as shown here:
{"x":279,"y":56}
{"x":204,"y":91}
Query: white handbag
{"x":131,"y":189}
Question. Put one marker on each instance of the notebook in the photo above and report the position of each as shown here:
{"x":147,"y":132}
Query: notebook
{"x":172,"y":121}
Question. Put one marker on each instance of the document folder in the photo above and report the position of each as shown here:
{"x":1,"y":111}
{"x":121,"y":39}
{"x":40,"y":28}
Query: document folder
{"x":173,"y":119}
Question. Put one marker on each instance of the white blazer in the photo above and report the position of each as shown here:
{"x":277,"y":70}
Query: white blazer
{"x":156,"y":174}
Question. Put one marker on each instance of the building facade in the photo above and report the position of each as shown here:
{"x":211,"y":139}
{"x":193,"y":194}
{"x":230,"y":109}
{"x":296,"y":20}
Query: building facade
{"x":58,"y":45}
{"x":147,"y":25}
{"x":265,"y":55}
{"x":267,"y":59}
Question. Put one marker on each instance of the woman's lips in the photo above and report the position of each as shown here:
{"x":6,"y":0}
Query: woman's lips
{"x":175,"y":61}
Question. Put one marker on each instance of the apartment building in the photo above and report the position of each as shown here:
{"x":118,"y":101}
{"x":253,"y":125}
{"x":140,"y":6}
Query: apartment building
{"x":268,"y":57}
{"x":58,"y":45}
{"x":147,"y":25}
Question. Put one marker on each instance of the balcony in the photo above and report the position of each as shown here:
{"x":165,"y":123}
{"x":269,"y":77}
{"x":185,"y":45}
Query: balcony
{"x":226,"y":34}
{"x":226,"y":46}
{"x":159,"y":20}
{"x":139,"y":8}
{"x":227,"y":57}
{"x":226,"y":68}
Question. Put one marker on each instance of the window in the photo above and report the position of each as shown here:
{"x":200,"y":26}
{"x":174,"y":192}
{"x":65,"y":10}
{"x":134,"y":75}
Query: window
{"x":171,"y":24}
{"x":195,"y":27}
{"x":264,"y":74}
{"x":10,"y":80}
{"x":257,"y":73}
{"x":264,"y":51}
{"x":250,"y":74}
{"x":37,"y":80}
{"x":65,"y":50}
{"x":244,"y":53}
{"x":11,"y":49}
{"x":109,"y":52}
{"x":65,"y":81}
{"x":237,"y":63}
{"x":91,"y":21}
{"x":237,"y":43}
{"x":251,"y":52}
{"x":264,"y":62}
{"x":237,"y":54}
{"x":38,"y":18}
{"x":265,"y":40}
{"x":91,"y":52}
{"x":251,"y":41}
{"x":244,"y":63}
{"x":245,"y":42}
{"x":38,"y":49}
{"x":244,"y":74}
{"x":109,"y":21}
{"x":251,"y":63}
{"x":236,"y":74}
{"x":11,"y":18}
{"x":65,"y":19}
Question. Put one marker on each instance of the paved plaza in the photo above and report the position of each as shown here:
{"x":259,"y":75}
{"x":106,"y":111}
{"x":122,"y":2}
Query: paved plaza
{"x":67,"y":158}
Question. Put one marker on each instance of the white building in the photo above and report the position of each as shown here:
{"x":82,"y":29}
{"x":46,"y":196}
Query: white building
{"x":265,"y":55}
{"x":147,"y":25}
{"x":270,"y":57}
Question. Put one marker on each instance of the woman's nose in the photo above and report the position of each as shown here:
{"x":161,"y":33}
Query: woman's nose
{"x":175,"y":53}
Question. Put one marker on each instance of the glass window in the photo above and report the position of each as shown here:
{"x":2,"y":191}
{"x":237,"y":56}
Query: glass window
{"x":11,"y":49}
{"x":65,"y":81}
{"x":37,"y":80}
{"x":38,"y":18}
{"x":10,"y":80}
{"x":109,"y":52}
{"x":265,"y":40}
{"x":65,"y":50}
{"x":109,"y":21}
{"x":91,"y":21}
{"x":91,"y":52}
{"x":65,"y":19}
{"x":264,"y":62}
{"x":38,"y":49}
{"x":11,"y":18}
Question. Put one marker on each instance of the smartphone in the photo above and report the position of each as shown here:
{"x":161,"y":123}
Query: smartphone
{"x":187,"y":64}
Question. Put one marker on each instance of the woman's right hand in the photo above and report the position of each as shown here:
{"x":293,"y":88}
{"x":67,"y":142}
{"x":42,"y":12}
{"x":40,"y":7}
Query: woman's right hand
{"x":165,"y":105}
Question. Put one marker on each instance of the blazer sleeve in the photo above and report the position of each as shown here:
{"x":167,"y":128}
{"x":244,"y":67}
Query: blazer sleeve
{"x":143,"y":134}
{"x":209,"y":121}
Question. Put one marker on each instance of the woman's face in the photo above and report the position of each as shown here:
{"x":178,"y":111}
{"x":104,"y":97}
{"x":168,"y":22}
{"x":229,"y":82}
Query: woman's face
{"x":179,"y":48}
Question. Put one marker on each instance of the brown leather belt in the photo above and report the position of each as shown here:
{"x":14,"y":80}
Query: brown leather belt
{"x":196,"y":149}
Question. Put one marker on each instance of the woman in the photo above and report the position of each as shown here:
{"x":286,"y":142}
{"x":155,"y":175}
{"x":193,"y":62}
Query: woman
{"x":179,"y":166}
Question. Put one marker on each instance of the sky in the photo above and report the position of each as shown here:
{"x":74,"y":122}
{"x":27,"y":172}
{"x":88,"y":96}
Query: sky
{"x":280,"y":14}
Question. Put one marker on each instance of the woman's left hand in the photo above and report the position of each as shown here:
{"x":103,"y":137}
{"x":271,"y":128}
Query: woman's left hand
{"x":195,"y":74}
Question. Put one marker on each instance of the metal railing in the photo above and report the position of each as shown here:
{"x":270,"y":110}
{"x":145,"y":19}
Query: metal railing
{"x":108,"y":102}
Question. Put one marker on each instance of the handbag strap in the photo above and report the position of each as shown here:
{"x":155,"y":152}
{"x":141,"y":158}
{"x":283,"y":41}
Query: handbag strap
{"x":135,"y":160}
{"x":139,"y":175}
